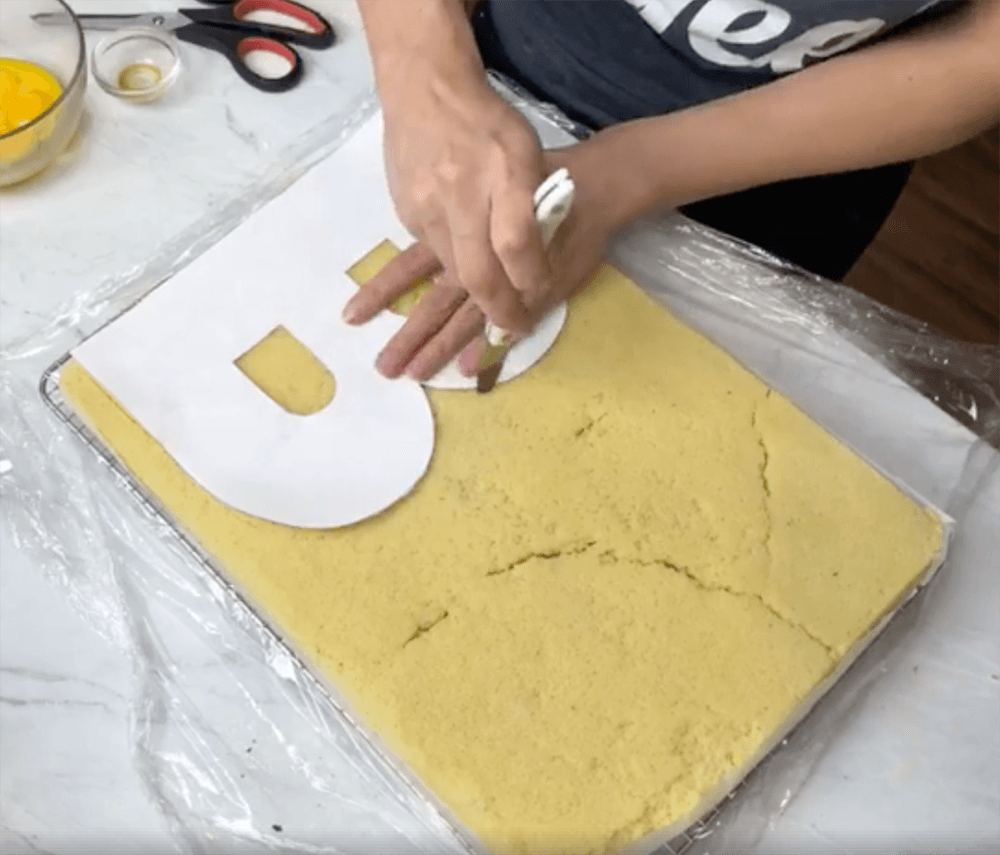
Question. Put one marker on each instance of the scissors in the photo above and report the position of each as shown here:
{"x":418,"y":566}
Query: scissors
{"x":228,"y":30}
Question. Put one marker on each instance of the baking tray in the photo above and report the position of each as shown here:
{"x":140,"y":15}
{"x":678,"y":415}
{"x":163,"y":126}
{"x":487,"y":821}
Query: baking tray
{"x":676,"y":839}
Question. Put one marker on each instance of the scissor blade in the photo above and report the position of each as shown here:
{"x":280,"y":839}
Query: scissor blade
{"x":52,"y":18}
{"x":167,"y":20}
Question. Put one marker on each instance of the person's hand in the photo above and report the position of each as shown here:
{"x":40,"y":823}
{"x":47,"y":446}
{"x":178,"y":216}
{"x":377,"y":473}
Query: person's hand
{"x":462,"y":167}
{"x":448,"y":322}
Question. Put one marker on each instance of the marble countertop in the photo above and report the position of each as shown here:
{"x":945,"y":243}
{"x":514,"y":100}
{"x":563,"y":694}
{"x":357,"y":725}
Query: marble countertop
{"x":92,"y":754}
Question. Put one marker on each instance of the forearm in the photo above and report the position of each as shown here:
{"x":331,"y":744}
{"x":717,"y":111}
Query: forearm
{"x":898,"y":100}
{"x":414,"y":42}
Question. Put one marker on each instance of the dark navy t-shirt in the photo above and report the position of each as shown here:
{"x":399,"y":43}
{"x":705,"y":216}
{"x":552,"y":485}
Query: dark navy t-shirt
{"x":606,"y":61}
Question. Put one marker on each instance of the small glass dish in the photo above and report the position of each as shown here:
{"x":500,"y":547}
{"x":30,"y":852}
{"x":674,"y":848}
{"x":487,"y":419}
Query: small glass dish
{"x":138,"y":64}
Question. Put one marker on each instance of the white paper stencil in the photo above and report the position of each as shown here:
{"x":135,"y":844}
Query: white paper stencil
{"x":170,"y":360}
{"x":170,"y":363}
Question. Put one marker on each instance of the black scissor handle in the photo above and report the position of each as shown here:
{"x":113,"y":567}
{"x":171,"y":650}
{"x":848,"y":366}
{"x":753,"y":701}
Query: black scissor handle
{"x":235,"y":47}
{"x":315,"y":32}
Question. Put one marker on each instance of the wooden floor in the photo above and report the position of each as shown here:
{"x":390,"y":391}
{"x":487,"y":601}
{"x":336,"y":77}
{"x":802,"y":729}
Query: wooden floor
{"x":937,"y":257}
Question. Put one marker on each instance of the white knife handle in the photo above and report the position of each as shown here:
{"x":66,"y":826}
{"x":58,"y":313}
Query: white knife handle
{"x":553,"y":199}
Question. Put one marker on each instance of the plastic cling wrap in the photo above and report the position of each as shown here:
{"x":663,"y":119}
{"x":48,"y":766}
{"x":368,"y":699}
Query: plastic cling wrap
{"x":242,"y":735}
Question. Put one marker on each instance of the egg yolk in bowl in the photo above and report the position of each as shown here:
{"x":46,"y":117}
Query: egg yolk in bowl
{"x":26,"y":91}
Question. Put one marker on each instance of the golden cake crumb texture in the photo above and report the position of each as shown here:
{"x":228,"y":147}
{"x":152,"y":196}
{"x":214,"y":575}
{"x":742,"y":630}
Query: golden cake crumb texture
{"x":620,"y":576}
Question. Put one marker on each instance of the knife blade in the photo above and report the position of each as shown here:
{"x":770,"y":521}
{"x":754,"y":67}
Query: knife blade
{"x":553,"y":199}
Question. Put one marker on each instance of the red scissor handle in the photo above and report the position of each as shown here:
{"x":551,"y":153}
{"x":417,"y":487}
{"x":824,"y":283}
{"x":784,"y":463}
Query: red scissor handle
{"x":313,"y":22}
{"x":236,"y":47}
{"x":315,"y":31}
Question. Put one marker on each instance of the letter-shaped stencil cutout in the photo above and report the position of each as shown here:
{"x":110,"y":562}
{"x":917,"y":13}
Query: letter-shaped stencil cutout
{"x":170,"y":361}
{"x":284,"y":369}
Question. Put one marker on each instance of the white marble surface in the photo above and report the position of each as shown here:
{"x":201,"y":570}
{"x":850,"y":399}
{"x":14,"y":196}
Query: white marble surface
{"x":99,"y":747}
{"x":138,"y":178}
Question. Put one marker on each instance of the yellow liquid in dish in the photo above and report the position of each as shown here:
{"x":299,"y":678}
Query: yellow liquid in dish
{"x":26,"y":91}
{"x":139,"y":77}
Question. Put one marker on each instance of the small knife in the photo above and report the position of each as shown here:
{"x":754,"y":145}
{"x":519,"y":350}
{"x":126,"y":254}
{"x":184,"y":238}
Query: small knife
{"x":553,"y":199}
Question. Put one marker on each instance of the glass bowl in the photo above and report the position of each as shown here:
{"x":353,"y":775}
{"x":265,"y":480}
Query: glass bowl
{"x":137,"y":64}
{"x":57,"y":50}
